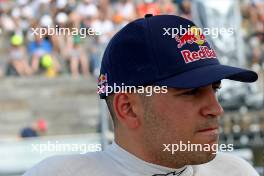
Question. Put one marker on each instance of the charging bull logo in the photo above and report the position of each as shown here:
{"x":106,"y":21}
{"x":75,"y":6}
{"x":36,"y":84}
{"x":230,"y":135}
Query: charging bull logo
{"x":194,"y":35}
{"x":102,"y":79}
{"x":102,"y":84}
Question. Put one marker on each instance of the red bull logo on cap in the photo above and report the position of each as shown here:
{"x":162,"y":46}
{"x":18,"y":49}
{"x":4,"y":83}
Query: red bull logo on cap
{"x":102,"y":84}
{"x":194,"y":35}
{"x":204,"y":52}
{"x":102,"y":79}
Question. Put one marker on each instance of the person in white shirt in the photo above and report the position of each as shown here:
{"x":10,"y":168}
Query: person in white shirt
{"x":168,"y":99}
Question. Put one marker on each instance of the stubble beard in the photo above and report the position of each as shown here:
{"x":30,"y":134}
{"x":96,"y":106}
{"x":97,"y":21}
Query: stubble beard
{"x":154,"y":147}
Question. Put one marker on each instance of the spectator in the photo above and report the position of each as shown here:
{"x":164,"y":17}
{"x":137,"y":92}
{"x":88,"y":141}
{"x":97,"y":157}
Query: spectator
{"x":41,"y":126}
{"x":37,"y":128}
{"x":87,"y":9}
{"x":126,"y":10}
{"x":17,"y":57}
{"x":105,"y":26}
{"x":167,"y":7}
{"x":39,"y":48}
{"x":28,"y":132}
{"x":148,"y":6}
{"x":186,"y":9}
{"x":77,"y":58}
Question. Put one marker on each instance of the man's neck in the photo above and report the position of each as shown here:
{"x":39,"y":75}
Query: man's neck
{"x":144,"y":152}
{"x":127,"y":158}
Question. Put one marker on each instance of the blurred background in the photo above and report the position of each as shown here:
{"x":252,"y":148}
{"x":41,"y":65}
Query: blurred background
{"x":48,"y":83}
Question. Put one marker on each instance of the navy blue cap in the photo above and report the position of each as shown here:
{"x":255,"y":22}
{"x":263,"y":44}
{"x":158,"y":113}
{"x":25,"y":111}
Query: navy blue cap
{"x":149,"y":51}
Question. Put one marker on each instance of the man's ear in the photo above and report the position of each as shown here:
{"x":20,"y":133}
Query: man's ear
{"x":127,"y":110}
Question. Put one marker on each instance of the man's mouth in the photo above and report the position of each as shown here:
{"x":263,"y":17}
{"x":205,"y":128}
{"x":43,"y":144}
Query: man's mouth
{"x":210,"y":129}
{"x":209,"y":134}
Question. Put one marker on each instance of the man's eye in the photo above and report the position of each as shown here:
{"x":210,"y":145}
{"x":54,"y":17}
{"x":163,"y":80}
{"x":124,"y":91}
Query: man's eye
{"x":191,"y":92}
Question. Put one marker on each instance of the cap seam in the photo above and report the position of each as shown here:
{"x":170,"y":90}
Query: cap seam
{"x":152,"y":45}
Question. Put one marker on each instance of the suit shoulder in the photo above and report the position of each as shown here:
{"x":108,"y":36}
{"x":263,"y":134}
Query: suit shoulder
{"x":231,"y":163}
{"x":230,"y":159}
{"x":65,"y":165}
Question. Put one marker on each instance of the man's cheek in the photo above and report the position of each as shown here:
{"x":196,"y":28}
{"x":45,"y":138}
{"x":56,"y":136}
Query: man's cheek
{"x":181,"y":133}
{"x":170,"y":111}
{"x":161,"y":106}
{"x":190,"y":133}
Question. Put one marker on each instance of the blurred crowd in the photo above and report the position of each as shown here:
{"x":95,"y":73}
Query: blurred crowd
{"x":253,"y":32}
{"x":24,"y":51}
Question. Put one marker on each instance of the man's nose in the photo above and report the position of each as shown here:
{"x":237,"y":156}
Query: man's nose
{"x":211,"y":105}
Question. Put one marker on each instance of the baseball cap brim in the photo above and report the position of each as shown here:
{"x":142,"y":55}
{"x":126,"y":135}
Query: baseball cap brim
{"x":206,"y":75}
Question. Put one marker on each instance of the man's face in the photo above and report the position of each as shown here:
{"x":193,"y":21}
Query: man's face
{"x":182,"y":115}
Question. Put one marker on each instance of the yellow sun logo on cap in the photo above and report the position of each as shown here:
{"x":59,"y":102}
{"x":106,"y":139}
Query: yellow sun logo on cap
{"x":200,"y":38}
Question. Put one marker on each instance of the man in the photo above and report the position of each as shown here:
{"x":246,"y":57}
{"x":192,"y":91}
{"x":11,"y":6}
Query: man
{"x":183,"y":73}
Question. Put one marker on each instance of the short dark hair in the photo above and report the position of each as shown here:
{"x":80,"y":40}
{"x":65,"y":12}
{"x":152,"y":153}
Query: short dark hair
{"x":109,"y":101}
